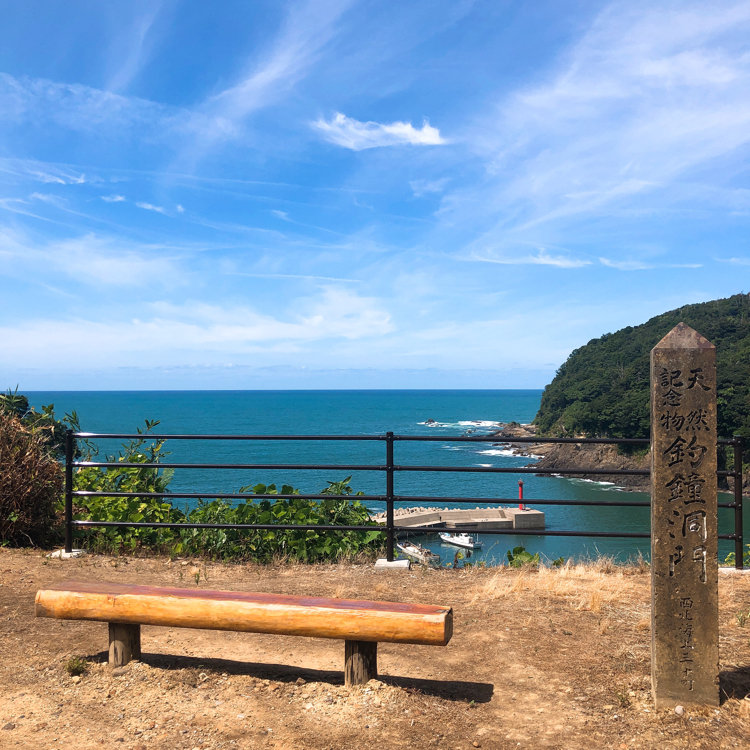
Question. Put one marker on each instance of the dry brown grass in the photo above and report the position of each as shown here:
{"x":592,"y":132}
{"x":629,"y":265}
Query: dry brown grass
{"x":592,"y":586}
{"x":31,"y":483}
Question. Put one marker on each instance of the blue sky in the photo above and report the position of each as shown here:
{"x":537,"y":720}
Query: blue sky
{"x":355,"y":194}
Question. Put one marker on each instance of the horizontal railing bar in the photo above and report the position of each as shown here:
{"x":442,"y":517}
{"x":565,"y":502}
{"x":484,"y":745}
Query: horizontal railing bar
{"x":227,"y":495}
{"x":369,"y":467}
{"x":379,"y":528}
{"x":370,"y":498}
{"x":528,"y":532}
{"x":154,"y":436}
{"x":247,"y":526}
{"x":403,"y":438}
{"x":504,"y":439}
{"x":526,"y":501}
{"x":522,"y":470}
{"x":285,"y":467}
{"x":529,"y":501}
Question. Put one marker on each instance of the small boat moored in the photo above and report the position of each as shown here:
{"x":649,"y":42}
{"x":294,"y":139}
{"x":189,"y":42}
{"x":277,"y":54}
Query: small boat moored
{"x":461,"y":540}
{"x":419,"y":553}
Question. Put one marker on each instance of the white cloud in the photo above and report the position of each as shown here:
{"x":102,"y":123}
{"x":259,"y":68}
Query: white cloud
{"x":540,"y":258}
{"x":355,"y":135}
{"x":113,"y":198}
{"x":131,"y":49}
{"x":151,"y":207}
{"x":90,"y":260}
{"x":41,"y":103}
{"x":638,"y":265}
{"x":308,"y":27}
{"x":206,"y":332}
{"x":642,"y":112}
{"x":45,"y":198}
{"x":40,"y":171}
{"x":423,"y":187}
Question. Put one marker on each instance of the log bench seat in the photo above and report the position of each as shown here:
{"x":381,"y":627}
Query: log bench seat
{"x":361,"y":624}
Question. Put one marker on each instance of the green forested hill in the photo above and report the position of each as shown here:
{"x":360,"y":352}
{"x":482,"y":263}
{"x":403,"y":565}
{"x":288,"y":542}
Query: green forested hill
{"x":602,"y":389}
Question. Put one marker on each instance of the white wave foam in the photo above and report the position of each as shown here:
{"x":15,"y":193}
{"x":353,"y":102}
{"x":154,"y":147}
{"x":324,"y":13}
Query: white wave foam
{"x":484,"y":466}
{"x":497,"y":452}
{"x":466,"y":425}
{"x":592,"y":481}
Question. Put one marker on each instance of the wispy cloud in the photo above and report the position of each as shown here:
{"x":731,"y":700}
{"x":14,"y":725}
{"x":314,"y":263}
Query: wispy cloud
{"x":113,"y":198}
{"x":650,"y":97}
{"x":355,"y":135}
{"x":90,"y":260}
{"x":639,"y":265}
{"x":41,"y":104}
{"x":151,"y":207}
{"x":296,"y":277}
{"x":132,"y":48}
{"x":308,"y":27}
{"x":42,"y":172}
{"x":540,"y":258}
{"x":425,"y":187}
{"x":213,"y":331}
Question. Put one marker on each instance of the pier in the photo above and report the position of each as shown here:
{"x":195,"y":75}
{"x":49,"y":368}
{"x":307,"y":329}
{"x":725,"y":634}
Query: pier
{"x":483,"y":518}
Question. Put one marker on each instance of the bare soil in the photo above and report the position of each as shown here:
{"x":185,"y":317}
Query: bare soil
{"x":548,"y":659}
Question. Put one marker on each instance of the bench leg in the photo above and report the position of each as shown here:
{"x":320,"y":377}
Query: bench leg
{"x":360,"y":662}
{"x":124,"y":643}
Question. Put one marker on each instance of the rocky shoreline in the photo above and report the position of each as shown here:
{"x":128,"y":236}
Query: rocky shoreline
{"x":574,"y":455}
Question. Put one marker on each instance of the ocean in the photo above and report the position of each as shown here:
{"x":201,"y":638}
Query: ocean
{"x":369,"y":412}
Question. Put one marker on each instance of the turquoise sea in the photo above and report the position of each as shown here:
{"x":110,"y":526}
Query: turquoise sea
{"x":369,"y":412}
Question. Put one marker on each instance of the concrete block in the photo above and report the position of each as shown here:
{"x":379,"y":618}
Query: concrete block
{"x":383,"y":564}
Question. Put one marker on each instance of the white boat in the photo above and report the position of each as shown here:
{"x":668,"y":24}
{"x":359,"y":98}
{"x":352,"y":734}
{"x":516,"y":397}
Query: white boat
{"x":419,"y":553}
{"x":461,"y":540}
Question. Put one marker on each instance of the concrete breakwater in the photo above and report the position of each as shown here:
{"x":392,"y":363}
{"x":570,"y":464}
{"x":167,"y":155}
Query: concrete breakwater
{"x":484,"y":518}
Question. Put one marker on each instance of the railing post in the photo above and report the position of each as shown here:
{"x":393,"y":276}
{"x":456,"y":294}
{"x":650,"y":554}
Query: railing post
{"x":389,"y":495}
{"x":738,"y":531}
{"x":69,"y":449}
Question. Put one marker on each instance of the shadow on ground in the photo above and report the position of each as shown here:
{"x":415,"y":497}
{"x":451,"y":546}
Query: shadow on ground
{"x":734,"y":683}
{"x":453,"y":690}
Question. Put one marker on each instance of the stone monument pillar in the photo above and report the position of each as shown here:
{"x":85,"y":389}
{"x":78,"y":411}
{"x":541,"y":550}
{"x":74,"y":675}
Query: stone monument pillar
{"x":684,"y":564}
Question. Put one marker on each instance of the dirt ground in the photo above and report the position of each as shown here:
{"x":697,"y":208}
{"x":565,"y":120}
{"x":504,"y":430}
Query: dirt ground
{"x":549,"y":659}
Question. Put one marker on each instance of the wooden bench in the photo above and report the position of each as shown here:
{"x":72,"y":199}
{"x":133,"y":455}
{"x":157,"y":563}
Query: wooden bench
{"x":361,"y":624}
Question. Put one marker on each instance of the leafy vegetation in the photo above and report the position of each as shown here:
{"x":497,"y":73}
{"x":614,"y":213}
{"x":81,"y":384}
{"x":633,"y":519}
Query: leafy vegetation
{"x":520,"y":557}
{"x":260,"y":545}
{"x":76,"y":666}
{"x":602,"y":389}
{"x":44,"y":422}
{"x":731,"y":558}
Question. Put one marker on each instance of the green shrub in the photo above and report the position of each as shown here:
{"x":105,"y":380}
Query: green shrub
{"x":730,"y":559}
{"x":44,"y":422}
{"x":31,"y":484}
{"x":76,"y":666}
{"x":261,"y":545}
{"x":127,"y":509}
{"x":519,"y":557}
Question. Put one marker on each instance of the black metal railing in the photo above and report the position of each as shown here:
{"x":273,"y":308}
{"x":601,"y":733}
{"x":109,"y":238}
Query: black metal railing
{"x":389,"y":468}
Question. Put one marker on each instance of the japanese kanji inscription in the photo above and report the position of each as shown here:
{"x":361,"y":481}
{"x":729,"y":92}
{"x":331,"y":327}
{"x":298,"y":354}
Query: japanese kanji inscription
{"x":684,"y":565}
